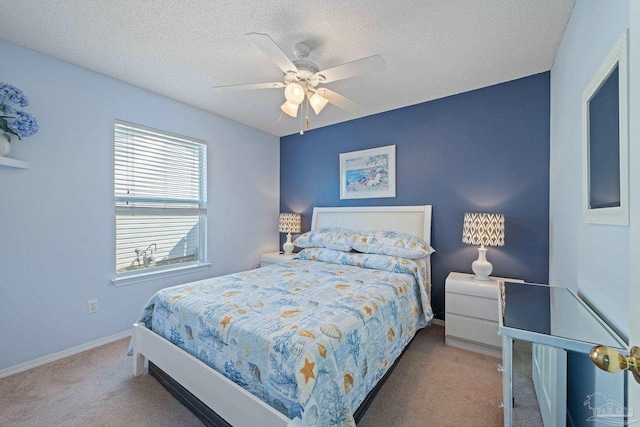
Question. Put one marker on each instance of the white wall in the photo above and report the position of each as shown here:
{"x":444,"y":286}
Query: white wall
{"x":57,"y":224}
{"x":590,"y":259}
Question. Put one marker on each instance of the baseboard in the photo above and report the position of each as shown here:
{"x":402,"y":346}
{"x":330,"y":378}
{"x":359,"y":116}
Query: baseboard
{"x":84,"y":347}
{"x":62,"y":354}
{"x":437,"y":322}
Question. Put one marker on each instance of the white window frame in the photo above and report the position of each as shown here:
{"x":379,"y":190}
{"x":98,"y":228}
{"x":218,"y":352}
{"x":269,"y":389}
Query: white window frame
{"x":158,"y":272}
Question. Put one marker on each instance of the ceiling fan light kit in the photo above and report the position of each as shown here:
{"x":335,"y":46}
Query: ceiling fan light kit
{"x":294,"y":93}
{"x":302,"y":77}
{"x":318,"y":102}
{"x":290,"y":109}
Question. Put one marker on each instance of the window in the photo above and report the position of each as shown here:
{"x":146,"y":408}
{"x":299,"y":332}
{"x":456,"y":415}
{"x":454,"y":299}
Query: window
{"x":161,"y":199}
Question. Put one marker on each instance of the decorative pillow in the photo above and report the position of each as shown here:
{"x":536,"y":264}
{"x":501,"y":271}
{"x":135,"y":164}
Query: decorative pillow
{"x":390,"y":243}
{"x":331,"y":238}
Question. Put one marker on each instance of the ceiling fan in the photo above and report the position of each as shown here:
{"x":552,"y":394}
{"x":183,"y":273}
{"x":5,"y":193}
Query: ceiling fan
{"x":303,"y":78}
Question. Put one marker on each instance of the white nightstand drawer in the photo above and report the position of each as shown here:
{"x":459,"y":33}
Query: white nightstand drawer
{"x":477,"y":330}
{"x":482,"y":308}
{"x":471,"y":313}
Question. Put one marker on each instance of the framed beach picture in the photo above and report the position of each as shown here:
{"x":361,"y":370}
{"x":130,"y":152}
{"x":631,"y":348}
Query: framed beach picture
{"x":368,"y":174}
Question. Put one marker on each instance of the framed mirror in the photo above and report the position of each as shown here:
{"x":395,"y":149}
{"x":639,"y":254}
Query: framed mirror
{"x":605,"y":159}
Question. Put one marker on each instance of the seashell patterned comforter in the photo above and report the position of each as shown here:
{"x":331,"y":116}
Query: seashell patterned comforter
{"x":311,"y":337}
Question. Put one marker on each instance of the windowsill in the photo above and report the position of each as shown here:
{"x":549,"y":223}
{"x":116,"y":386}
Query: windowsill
{"x":132,"y":279}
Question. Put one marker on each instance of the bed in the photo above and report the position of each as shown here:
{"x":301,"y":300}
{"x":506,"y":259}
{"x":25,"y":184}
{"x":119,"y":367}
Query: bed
{"x":322,"y":357}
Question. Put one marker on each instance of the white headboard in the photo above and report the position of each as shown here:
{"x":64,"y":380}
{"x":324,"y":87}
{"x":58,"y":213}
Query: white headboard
{"x":414,"y":220}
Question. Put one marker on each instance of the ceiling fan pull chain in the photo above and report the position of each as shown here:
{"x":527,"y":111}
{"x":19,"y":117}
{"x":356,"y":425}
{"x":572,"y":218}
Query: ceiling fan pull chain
{"x":307,"y":117}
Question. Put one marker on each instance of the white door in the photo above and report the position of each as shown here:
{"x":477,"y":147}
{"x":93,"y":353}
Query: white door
{"x":633,"y":388}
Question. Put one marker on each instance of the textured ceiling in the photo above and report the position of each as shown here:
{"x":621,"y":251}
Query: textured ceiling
{"x":183,"y":48}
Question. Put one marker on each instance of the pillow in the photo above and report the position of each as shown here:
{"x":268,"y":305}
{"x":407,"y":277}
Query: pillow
{"x":390,"y":243}
{"x":330,"y":238}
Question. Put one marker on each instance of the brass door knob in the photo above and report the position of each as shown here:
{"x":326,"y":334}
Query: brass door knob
{"x":611,"y":360}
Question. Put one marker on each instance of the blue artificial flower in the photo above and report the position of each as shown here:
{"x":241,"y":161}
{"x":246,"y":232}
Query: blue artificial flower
{"x":13,"y":121}
{"x":10,"y":93}
{"x":23,"y":125}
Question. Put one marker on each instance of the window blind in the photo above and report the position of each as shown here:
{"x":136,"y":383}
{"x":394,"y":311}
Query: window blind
{"x":160,"y":197}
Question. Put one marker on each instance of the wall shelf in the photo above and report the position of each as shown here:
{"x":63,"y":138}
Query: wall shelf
{"x":14,"y":163}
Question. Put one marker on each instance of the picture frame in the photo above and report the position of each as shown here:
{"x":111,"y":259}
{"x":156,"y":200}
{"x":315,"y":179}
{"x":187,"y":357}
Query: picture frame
{"x":605,"y":136}
{"x":368,"y":174}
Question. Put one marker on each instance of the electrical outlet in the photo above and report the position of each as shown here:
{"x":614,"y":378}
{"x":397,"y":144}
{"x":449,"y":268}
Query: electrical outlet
{"x":92,"y":306}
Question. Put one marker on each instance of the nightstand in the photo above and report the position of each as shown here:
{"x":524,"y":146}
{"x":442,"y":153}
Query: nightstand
{"x":275,"y":258}
{"x":471,"y":313}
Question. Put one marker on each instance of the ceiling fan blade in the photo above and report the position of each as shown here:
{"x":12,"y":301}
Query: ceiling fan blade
{"x":341,"y":101}
{"x":272,"y":50}
{"x":367,"y":65}
{"x":273,"y":85}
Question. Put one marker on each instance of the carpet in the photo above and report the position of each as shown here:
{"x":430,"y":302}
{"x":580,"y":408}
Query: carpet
{"x":432,"y":385}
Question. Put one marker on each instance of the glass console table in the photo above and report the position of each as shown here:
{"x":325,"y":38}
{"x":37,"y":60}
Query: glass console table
{"x":554,"y":319}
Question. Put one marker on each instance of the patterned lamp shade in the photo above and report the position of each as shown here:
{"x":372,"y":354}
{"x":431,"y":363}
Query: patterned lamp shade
{"x":483,"y":229}
{"x":290,"y":223}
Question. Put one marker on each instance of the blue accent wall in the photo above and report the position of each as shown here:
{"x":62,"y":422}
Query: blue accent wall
{"x":481,"y":151}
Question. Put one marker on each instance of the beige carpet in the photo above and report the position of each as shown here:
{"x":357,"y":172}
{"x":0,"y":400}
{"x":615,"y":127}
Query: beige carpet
{"x":432,"y":385}
{"x":436,"y":385}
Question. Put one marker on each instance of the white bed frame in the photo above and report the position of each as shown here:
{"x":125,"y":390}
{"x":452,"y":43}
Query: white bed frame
{"x":236,"y":405}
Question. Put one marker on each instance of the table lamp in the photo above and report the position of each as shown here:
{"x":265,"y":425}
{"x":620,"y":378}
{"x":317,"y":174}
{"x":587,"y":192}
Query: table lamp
{"x":483,"y":229}
{"x":289,"y":223}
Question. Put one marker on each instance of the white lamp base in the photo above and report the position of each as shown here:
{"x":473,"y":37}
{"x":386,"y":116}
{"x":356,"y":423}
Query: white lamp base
{"x":481,"y":267}
{"x":288,"y":246}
